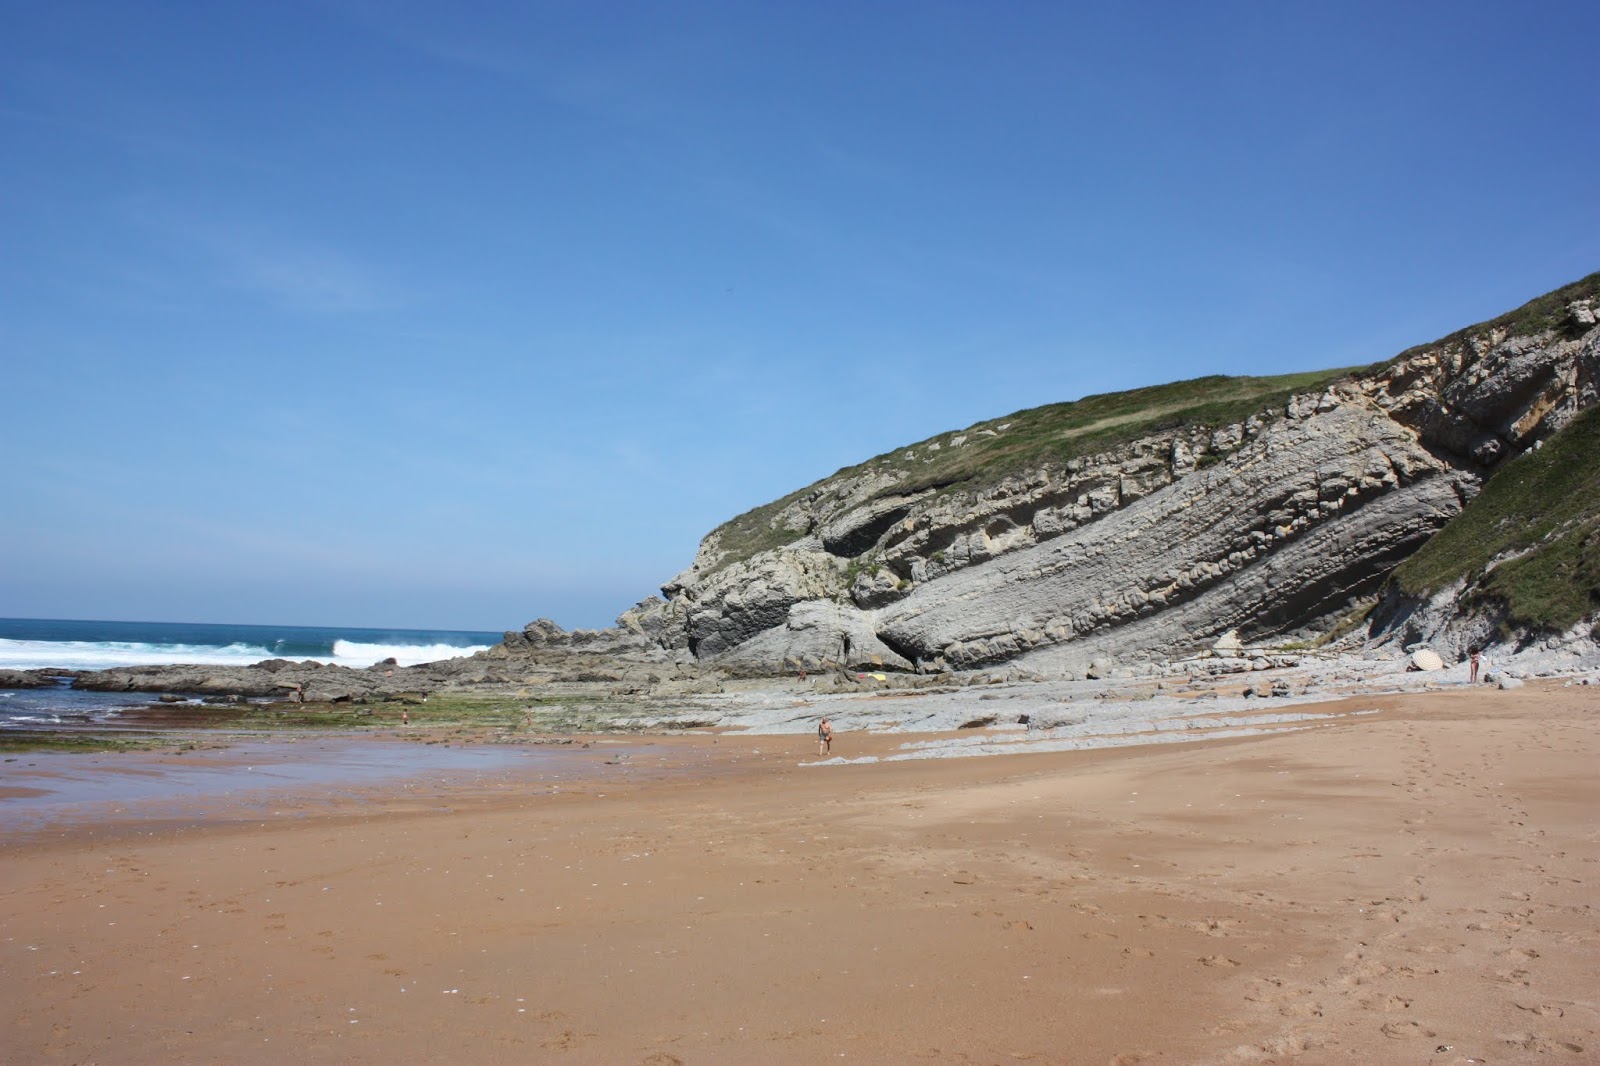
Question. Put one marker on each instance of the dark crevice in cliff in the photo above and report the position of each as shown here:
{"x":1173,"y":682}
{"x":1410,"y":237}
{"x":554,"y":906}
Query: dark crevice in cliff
{"x":852,"y":542}
{"x":908,"y":652}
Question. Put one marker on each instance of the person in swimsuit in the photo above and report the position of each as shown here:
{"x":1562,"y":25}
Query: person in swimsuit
{"x":824,"y":736}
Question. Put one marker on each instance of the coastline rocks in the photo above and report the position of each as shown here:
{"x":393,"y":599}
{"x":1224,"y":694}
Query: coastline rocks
{"x":543,"y":635}
{"x":307,"y":681}
{"x":33,"y":678}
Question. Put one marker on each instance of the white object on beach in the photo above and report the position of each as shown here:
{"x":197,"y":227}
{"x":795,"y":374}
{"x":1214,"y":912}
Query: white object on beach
{"x":1426,"y":659}
{"x":1228,"y":644}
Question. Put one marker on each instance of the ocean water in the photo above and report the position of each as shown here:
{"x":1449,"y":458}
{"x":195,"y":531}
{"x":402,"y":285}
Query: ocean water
{"x":55,"y":644}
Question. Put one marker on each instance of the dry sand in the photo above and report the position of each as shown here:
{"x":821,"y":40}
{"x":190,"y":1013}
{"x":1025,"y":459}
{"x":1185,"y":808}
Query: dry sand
{"x":1416,"y":886}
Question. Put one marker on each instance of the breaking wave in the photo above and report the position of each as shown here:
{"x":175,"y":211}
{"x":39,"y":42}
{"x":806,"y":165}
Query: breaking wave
{"x":39,"y":645}
{"x":101,"y":655}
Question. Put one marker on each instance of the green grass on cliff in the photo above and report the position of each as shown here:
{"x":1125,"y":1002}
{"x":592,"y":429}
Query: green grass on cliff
{"x":1544,"y":504}
{"x":1060,"y":432}
{"x":1539,"y":315}
{"x":1040,"y":436}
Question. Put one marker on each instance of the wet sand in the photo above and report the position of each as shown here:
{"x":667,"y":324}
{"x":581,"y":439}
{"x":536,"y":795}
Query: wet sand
{"x":1412,"y":886}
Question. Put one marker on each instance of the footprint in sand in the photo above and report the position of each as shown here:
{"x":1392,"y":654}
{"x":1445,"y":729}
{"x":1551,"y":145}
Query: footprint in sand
{"x":1384,"y":1004}
{"x":1544,"y":1010}
{"x":1270,"y":990}
{"x":1301,"y":1010}
{"x":1360,"y":970}
{"x":1406,"y":1031}
{"x":1540,"y":1045}
{"x":1288,"y":1045}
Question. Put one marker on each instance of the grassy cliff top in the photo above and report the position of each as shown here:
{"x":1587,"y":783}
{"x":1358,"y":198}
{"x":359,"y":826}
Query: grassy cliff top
{"x":1059,"y":432}
{"x":1544,"y":504}
{"x":1539,"y":315}
{"x":1040,"y":436}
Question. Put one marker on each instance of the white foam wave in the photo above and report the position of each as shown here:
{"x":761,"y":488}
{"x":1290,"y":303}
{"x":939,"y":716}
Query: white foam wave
{"x":350,"y":653}
{"x":103,"y":655}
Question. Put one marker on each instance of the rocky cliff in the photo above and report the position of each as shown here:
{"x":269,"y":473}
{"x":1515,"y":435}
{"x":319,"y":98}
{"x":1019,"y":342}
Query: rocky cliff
{"x":1078,"y":538}
{"x":1146,"y":524}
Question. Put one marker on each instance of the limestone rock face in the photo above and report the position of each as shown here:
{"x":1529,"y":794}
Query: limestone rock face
{"x":1487,"y":398}
{"x":732,"y":605}
{"x":818,"y":635}
{"x":1310,"y":514}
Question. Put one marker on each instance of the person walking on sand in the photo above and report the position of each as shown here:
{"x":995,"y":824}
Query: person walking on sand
{"x":1475,"y":657}
{"x":824,"y":736}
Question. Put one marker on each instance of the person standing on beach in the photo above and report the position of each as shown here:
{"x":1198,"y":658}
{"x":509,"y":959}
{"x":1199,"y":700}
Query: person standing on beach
{"x":1476,"y":658}
{"x":824,"y":736}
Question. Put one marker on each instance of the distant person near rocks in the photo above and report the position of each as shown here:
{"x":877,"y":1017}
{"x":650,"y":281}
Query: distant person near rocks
{"x":824,"y":736}
{"x":1475,"y":657}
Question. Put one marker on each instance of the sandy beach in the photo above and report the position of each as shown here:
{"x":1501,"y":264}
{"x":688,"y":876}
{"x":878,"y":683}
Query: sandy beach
{"x":1411,"y":886}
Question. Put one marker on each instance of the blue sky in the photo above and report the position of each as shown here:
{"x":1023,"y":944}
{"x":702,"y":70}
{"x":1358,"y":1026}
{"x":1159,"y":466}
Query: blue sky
{"x":350,"y":313}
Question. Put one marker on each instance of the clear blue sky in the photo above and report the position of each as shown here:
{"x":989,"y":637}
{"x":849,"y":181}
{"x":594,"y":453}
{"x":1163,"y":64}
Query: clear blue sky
{"x":347,"y":313}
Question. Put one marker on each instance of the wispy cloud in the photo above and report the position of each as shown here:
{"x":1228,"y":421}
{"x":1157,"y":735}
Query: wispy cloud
{"x":631,"y":76}
{"x":297,"y":273}
{"x":95,"y":106}
{"x":306,"y":278}
{"x":489,"y":54}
